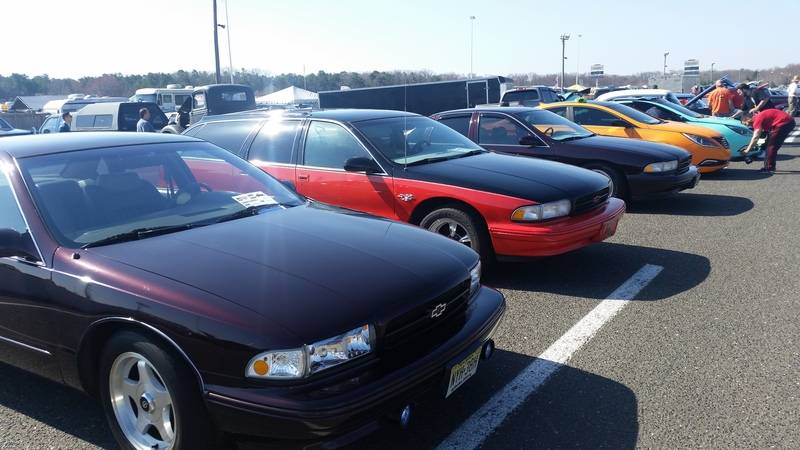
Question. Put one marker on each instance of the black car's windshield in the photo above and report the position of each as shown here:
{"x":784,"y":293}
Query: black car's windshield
{"x":107,"y":195}
{"x":553,"y":125}
{"x":416,"y":140}
{"x":4,"y":125}
{"x":632,"y":113}
{"x":679,"y":108}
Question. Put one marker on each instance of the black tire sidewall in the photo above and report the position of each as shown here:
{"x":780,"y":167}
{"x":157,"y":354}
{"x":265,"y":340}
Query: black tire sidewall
{"x":471,"y":224}
{"x":194,"y":429}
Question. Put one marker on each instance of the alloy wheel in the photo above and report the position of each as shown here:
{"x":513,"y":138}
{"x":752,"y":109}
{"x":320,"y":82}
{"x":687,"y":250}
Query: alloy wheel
{"x":453,"y":230}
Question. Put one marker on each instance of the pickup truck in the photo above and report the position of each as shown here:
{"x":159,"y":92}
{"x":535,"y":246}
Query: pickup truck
{"x":211,"y":100}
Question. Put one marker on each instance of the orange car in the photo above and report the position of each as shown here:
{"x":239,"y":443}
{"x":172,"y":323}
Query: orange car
{"x":710,"y":151}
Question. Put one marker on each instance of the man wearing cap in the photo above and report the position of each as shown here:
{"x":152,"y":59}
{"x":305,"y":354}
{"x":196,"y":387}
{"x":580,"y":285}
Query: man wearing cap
{"x":793,"y":97}
{"x":720,"y":100}
{"x":777,"y":125}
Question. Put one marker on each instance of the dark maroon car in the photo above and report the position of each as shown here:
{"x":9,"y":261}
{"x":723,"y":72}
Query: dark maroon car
{"x":198,"y":297}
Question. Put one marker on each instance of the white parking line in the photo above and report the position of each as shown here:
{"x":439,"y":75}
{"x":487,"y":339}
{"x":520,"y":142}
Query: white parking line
{"x":471,"y":434}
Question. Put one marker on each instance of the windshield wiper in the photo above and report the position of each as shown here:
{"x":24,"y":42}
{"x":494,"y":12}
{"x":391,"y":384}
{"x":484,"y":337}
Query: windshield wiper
{"x":139,"y":233}
{"x":572,"y":138}
{"x":445,"y":158}
{"x":246,"y":212}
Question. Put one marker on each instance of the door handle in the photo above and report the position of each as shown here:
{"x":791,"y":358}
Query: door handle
{"x":302,"y":176}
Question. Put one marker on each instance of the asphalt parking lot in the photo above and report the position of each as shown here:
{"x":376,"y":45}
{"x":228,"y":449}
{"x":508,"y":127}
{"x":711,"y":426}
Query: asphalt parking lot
{"x":705,"y":353}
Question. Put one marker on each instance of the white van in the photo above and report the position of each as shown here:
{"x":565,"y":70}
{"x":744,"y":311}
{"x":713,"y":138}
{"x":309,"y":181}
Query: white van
{"x":169,"y":99}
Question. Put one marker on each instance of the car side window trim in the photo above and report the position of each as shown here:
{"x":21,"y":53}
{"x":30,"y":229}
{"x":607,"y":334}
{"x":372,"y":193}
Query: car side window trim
{"x":301,"y":154}
{"x":513,"y":119}
{"x":40,"y":261}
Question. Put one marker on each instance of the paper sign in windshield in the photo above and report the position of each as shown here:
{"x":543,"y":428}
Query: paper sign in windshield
{"x":254,"y":199}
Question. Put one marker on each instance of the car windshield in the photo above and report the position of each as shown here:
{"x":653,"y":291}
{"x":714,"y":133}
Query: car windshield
{"x":4,"y":125}
{"x":416,"y":140}
{"x":679,"y":108}
{"x":89,"y":197}
{"x":553,"y":125}
{"x":632,"y":113}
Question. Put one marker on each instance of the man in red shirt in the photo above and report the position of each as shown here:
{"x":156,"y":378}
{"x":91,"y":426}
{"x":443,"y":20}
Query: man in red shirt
{"x":777,"y":125}
{"x":720,"y":101}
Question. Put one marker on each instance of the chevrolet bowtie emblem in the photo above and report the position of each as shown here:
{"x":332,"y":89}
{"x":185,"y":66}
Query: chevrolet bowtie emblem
{"x":406,"y":197}
{"x":438,"y":310}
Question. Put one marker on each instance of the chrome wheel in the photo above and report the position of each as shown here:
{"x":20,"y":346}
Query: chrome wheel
{"x":452,"y":229}
{"x":612,"y":191}
{"x":142,"y":403}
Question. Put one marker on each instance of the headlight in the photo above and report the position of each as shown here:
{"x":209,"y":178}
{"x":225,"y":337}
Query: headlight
{"x":661,"y":167}
{"x":544,"y":211}
{"x":310,"y":359}
{"x":474,"y":279}
{"x":742,"y":131}
{"x":700,"y":140}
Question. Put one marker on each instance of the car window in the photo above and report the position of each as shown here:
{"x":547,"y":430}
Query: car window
{"x":180,"y":98}
{"x":228,"y":135}
{"x":274,"y":142}
{"x":458,"y":123}
{"x":84,"y":121}
{"x":10,"y":215}
{"x":561,"y":111}
{"x":591,"y":116}
{"x":498,"y":130}
{"x":4,"y":125}
{"x":549,"y":96}
{"x":330,"y":145}
{"x":103,"y":121}
{"x":51,"y":125}
{"x":166,"y":98}
{"x":199,"y":100}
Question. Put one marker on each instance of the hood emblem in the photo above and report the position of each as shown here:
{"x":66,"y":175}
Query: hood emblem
{"x":406,"y":197}
{"x":438,"y":310}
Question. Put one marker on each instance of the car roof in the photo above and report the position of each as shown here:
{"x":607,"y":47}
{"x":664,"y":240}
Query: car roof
{"x":499,"y":109}
{"x":345,"y":115}
{"x":634,"y":93}
{"x":45,"y":144}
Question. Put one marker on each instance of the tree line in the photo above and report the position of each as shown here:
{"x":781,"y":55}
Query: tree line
{"x":118,"y":85}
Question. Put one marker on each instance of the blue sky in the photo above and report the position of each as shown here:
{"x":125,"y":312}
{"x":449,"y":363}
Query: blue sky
{"x":276,"y":36}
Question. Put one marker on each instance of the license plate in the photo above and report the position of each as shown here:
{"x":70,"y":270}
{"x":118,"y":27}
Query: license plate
{"x":463,"y":371}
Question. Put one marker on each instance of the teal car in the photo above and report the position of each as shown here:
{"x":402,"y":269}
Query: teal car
{"x":737,"y":135}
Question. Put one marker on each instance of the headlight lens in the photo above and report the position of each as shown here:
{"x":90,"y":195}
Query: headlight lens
{"x":534,"y":213}
{"x":661,"y":167}
{"x":310,"y":359}
{"x":474,"y":279}
{"x":742,"y":131}
{"x":700,"y":140}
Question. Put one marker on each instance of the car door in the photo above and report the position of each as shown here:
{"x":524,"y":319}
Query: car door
{"x":25,"y":308}
{"x":602,"y":122}
{"x":504,"y":134}
{"x":321,"y":175}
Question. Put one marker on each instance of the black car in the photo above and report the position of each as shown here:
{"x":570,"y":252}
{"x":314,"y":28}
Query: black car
{"x":7,"y":130}
{"x":192,"y":294}
{"x":637,"y":169}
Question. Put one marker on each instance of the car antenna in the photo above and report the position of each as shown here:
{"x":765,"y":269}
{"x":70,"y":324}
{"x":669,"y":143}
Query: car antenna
{"x":405,"y":119}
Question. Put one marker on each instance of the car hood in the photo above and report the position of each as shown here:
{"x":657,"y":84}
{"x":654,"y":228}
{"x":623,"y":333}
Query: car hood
{"x":651,"y":150}
{"x":314,"y":270}
{"x":515,"y":176}
{"x":679,"y":127}
{"x":15,"y":132}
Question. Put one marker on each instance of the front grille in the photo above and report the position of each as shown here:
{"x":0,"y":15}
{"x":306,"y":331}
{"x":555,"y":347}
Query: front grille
{"x":723,"y":142}
{"x":590,"y":201}
{"x":683,"y":165}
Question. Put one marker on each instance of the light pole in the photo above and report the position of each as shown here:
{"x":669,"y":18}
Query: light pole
{"x":228,"y":30}
{"x":665,"y":63}
{"x":712,"y":72}
{"x":216,"y":44}
{"x":471,"y":45}
{"x":578,"y":63}
{"x":564,"y":38}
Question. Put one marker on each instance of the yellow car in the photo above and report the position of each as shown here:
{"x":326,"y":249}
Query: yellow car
{"x":710,"y":151}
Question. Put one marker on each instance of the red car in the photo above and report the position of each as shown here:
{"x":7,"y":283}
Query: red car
{"x":407,"y":167}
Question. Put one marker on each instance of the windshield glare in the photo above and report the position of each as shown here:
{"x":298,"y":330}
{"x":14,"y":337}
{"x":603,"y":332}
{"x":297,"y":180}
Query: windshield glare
{"x":680,"y":108}
{"x":87,"y":196}
{"x":632,"y":113}
{"x":553,"y":125}
{"x":407,"y":140}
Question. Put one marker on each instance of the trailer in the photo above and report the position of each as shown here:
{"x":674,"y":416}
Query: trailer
{"x":421,"y":98}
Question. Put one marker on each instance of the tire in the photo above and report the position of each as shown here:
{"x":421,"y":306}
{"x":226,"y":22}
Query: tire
{"x":461,"y":226}
{"x":168,"y":397}
{"x":619,"y":185}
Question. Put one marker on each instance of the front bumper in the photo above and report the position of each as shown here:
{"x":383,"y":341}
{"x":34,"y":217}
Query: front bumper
{"x":520,"y":240}
{"x":319,"y":419}
{"x":648,"y":185}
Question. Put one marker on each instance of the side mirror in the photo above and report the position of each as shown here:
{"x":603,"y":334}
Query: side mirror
{"x":528,"y":141}
{"x":362,"y":164}
{"x":13,"y":243}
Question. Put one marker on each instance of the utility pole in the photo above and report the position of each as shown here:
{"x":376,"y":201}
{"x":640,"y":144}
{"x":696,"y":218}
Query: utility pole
{"x":578,"y":64}
{"x":471,"y":45}
{"x":665,"y":63}
{"x":216,"y":43}
{"x":228,"y":30}
{"x":564,"y":38}
{"x":712,"y":72}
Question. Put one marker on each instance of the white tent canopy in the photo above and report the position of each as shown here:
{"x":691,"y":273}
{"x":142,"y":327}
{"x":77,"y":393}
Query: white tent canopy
{"x":289,"y":96}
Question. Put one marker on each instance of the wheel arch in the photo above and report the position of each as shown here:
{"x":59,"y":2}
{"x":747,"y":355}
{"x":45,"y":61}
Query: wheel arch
{"x":98,"y":334}
{"x":431,"y":204}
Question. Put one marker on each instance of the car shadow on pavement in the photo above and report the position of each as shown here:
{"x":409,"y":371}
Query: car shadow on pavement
{"x":573,"y":409}
{"x":685,"y":204}
{"x":729,"y":174}
{"x":54,"y":405}
{"x":596,"y":271}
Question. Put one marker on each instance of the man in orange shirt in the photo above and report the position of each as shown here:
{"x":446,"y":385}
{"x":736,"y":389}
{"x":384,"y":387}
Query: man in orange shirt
{"x":720,"y":101}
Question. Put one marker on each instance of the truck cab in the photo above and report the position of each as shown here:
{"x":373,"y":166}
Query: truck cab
{"x":530,"y":96}
{"x":211,"y":100}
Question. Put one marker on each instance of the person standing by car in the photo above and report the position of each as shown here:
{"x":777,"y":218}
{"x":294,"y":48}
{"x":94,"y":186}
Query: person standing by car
{"x":777,"y":125}
{"x":793,"y":96}
{"x":144,"y":125}
{"x":720,"y":101}
{"x":758,"y":96}
{"x":65,"y":127}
